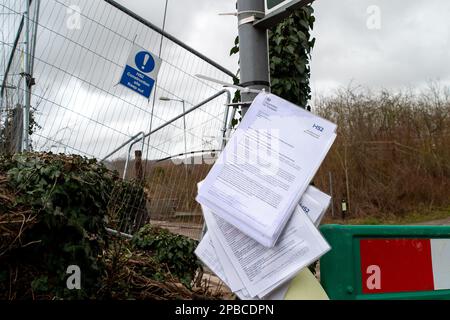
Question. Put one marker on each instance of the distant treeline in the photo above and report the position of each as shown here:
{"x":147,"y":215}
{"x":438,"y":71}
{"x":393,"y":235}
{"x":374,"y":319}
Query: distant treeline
{"x":392,"y":154}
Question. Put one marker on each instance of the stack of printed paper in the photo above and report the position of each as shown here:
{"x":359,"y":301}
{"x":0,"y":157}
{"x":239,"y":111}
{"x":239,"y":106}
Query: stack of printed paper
{"x":253,"y":271}
{"x":261,"y":213}
{"x":259,"y":178}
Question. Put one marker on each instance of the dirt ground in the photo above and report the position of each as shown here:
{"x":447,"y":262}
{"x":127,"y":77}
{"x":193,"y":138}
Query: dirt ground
{"x":214,"y":283}
{"x":191,"y":230}
{"x":441,"y":222}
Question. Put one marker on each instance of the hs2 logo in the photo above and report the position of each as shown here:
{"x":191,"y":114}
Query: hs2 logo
{"x":305,"y":208}
{"x":318,"y":128}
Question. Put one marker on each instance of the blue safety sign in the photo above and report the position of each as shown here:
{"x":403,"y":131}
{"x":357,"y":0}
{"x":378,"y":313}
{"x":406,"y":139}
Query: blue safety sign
{"x":141,"y":71}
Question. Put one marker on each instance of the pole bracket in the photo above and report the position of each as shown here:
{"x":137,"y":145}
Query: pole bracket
{"x":255,"y":16}
{"x":255,"y":83}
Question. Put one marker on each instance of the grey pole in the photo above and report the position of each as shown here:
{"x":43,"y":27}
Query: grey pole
{"x":184,"y":125}
{"x":253,"y":49}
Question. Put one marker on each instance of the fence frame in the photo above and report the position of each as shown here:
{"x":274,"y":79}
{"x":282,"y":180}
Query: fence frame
{"x":170,"y":37}
{"x":22,"y":28}
{"x":27,"y":75}
{"x":148,"y":135}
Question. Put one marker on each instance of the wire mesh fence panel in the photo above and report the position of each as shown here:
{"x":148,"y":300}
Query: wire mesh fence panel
{"x":12,"y":65}
{"x":79,"y":106}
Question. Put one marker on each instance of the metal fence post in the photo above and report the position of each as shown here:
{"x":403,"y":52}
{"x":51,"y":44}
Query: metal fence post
{"x":81,"y":110}
{"x":27,"y":78}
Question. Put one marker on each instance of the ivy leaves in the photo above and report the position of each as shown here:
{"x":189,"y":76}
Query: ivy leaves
{"x":175,"y":251}
{"x":290,"y":47}
{"x":69,"y":196}
{"x":235,"y":49}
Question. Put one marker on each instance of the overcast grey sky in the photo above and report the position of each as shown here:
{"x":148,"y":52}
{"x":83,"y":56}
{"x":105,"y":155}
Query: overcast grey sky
{"x":373,"y":43}
{"x":407,"y":47}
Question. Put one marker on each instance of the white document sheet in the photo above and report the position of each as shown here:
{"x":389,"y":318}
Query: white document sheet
{"x":313,"y":203}
{"x":215,"y":259}
{"x":262,"y":269}
{"x":258,"y":179}
{"x":206,"y":252}
{"x":277,"y":294}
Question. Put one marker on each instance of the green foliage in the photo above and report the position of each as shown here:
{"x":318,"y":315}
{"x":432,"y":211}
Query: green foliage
{"x":236,"y":81}
{"x":69,"y":195}
{"x":174,"y":251}
{"x":235,"y":49}
{"x":9,"y":128}
{"x":65,"y":203}
{"x":40,"y":284}
{"x":128,"y":212}
{"x":290,"y":46}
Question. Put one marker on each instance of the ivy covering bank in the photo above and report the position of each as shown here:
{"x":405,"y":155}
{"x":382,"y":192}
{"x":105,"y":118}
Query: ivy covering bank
{"x":53,"y":213}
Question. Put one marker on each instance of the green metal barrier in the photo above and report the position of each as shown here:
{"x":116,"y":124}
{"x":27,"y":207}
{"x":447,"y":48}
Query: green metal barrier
{"x":386,"y":262}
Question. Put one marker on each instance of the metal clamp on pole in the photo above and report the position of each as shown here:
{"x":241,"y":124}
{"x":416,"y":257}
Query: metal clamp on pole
{"x":255,"y":16}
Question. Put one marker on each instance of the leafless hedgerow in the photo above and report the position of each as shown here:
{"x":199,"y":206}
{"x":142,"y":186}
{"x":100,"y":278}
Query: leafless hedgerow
{"x":392,"y":154}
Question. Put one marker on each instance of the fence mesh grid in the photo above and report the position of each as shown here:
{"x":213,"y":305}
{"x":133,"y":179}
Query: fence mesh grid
{"x":12,"y":80}
{"x":79,"y":107}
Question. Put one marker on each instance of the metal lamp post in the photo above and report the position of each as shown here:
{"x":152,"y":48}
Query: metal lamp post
{"x":184,"y":123}
{"x":184,"y":128}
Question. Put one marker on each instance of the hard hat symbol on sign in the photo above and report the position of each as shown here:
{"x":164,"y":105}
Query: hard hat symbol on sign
{"x":145,"y":62}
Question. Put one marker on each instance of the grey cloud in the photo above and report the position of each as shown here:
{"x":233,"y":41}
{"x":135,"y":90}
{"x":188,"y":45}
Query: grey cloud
{"x":411,"y":47}
{"x":78,"y":71}
{"x":408,"y":50}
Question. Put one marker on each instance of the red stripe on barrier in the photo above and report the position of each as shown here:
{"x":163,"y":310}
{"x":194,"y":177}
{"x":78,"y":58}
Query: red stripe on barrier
{"x":396,"y":265}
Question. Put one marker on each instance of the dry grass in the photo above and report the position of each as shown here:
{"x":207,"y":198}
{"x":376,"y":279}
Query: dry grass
{"x":391,"y":157}
{"x":392,"y":154}
{"x":14,"y":220}
{"x":130,"y":274}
